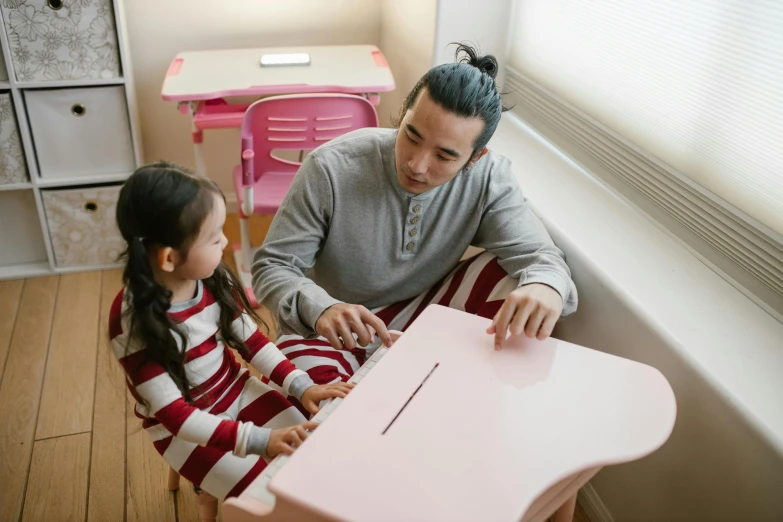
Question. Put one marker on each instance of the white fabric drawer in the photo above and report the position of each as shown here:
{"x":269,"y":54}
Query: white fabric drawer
{"x":80,"y":132}
{"x":56,"y":40}
{"x":82,"y":225}
{"x":12,"y":165}
{"x":21,"y":240}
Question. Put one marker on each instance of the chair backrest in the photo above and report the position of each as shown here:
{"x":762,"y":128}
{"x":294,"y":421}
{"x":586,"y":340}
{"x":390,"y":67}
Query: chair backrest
{"x":297,"y":122}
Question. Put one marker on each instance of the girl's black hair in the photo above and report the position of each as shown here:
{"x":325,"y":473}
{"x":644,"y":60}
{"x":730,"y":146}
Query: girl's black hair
{"x":164,"y":205}
{"x":466,"y":88}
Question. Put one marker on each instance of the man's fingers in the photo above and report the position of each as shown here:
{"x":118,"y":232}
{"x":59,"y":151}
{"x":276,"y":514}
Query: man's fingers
{"x":285,"y":449}
{"x":331,"y":336}
{"x":491,"y":328}
{"x":525,"y":308}
{"x":547,"y":326}
{"x":379,"y":326}
{"x":345,"y":332}
{"x":363,"y":334}
{"x":533,"y":323}
{"x":502,"y":321}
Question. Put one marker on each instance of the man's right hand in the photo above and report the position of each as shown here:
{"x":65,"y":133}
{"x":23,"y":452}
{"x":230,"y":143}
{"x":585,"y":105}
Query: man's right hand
{"x":339,"y":322}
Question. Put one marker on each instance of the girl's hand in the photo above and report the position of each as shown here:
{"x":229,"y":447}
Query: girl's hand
{"x":286,"y":440}
{"x":313,"y":396}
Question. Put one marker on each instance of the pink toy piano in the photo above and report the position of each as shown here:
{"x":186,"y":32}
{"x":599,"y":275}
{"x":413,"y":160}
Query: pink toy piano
{"x":200,"y":81}
{"x":442,"y":427}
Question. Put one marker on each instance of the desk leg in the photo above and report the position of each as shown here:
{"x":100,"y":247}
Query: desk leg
{"x":198,"y":137}
{"x":566,"y":512}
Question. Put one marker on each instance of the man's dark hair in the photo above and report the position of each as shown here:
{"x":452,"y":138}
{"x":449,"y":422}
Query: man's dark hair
{"x":466,"y":88}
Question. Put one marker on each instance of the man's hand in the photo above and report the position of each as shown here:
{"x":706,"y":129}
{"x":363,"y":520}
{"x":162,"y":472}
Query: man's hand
{"x":313,"y":395}
{"x":339,"y":322}
{"x":286,"y":440}
{"x":533,"y":309}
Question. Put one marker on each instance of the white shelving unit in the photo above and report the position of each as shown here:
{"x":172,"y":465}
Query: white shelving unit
{"x":32,"y":210}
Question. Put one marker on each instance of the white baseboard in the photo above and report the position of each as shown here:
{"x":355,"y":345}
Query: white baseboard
{"x":591,"y":503}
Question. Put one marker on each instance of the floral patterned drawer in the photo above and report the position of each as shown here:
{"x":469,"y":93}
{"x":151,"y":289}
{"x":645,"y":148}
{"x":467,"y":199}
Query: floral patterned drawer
{"x":12,"y":165}
{"x":82,"y":225}
{"x":53,"y":40}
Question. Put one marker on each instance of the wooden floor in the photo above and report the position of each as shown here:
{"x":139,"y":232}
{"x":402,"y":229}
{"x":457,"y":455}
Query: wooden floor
{"x":70,"y":446}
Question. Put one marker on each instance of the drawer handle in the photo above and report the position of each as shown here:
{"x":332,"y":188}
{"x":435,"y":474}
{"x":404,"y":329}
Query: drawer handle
{"x":91,"y":207}
{"x":55,"y":4}
{"x":77,"y":109}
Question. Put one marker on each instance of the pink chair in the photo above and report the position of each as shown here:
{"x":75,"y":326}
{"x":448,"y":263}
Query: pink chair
{"x":300,"y":122}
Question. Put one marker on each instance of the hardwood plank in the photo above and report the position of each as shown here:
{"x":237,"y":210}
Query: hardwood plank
{"x":20,"y":391}
{"x":69,"y":385}
{"x":107,"y":464}
{"x":148,"y":497}
{"x":57,"y":487}
{"x":10,"y":295}
{"x":187,"y":503}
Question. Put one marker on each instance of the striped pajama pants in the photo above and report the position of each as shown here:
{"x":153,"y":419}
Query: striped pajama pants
{"x":220,"y":473}
{"x":478,"y":285}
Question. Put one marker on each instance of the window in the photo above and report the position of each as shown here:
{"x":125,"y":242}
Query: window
{"x":678,"y":105}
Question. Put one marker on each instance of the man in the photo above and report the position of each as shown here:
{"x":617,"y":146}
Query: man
{"x":374,"y":225}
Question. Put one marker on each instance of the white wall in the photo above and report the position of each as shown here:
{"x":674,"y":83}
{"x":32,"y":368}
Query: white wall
{"x":415,"y":35}
{"x":158,"y":30}
{"x":483,"y":24}
{"x":407,"y":39}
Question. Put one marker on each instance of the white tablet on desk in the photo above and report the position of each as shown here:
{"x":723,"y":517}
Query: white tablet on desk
{"x":284,"y":59}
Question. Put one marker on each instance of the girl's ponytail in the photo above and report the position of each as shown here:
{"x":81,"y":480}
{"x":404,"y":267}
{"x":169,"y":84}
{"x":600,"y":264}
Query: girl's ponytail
{"x":150,"y":321}
{"x":160,"y":205}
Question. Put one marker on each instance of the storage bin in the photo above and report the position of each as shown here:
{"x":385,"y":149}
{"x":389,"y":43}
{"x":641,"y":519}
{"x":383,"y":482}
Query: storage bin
{"x":21,"y":240}
{"x":80,"y":132}
{"x":3,"y":69}
{"x":13,"y":168}
{"x":82,"y":225}
{"x":60,"y":40}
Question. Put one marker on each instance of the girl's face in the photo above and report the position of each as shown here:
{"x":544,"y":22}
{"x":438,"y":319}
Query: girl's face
{"x":206,"y":252}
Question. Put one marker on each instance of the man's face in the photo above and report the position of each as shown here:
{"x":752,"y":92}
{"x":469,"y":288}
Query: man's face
{"x":433,"y":145}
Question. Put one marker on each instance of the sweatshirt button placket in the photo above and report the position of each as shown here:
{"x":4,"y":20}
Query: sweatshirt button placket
{"x":411,"y":230}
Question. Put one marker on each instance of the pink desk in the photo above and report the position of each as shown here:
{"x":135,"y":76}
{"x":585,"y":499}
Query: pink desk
{"x":200,"y":81}
{"x":446,"y":428}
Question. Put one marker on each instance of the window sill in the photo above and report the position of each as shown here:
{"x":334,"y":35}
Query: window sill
{"x":734,"y":344}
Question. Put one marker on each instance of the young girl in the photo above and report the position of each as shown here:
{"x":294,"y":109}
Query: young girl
{"x":172,"y":326}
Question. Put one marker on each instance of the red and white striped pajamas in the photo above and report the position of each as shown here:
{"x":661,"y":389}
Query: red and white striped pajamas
{"x":478,"y":285}
{"x":206,"y":441}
